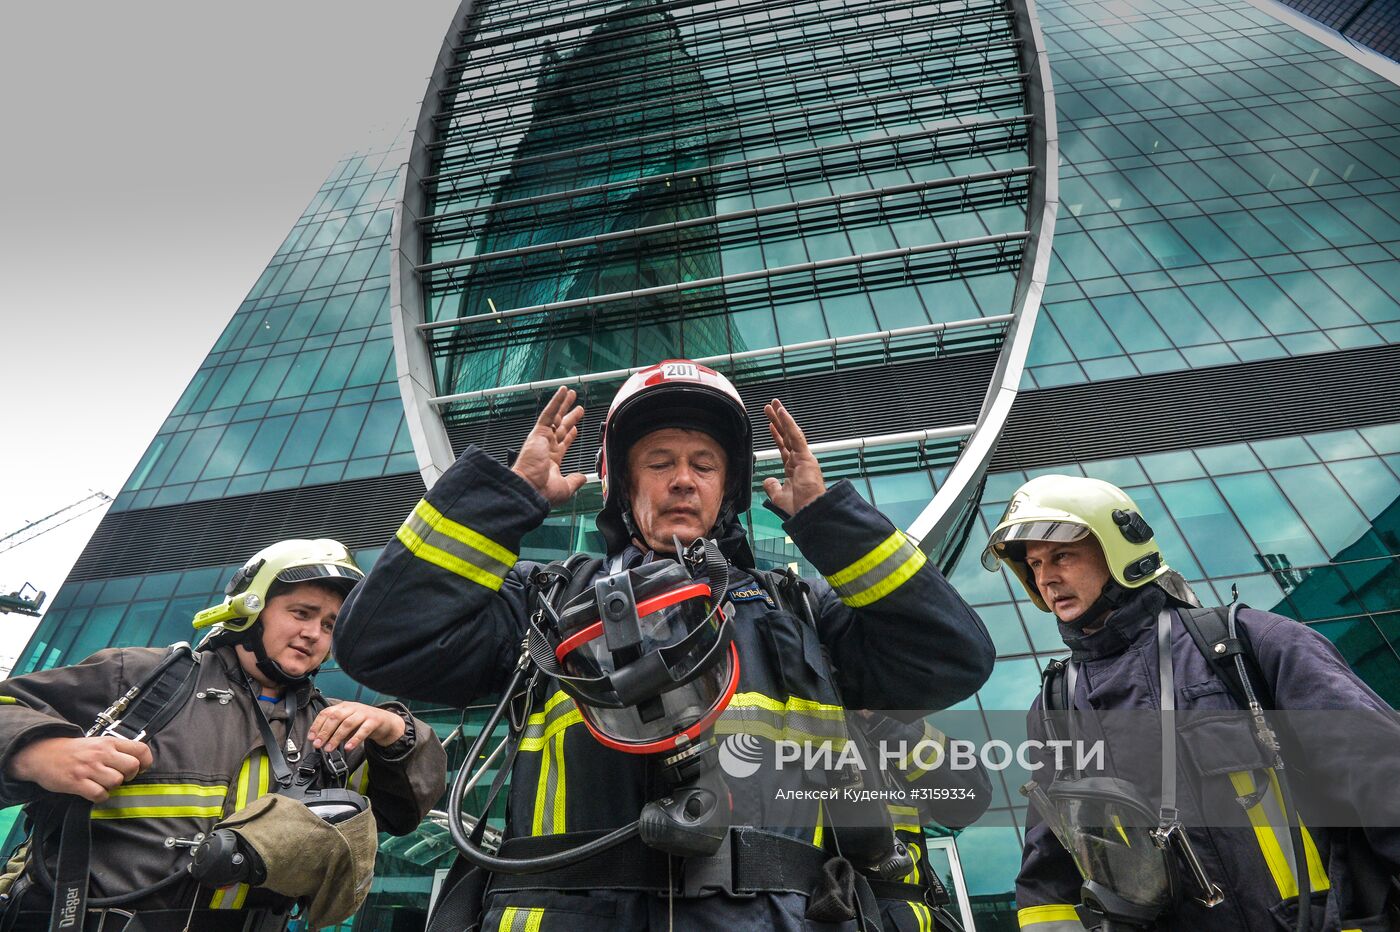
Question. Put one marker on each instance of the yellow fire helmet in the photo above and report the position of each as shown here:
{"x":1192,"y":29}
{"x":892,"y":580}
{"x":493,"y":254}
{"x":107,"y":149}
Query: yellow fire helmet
{"x":1070,"y":508}
{"x":288,"y":561}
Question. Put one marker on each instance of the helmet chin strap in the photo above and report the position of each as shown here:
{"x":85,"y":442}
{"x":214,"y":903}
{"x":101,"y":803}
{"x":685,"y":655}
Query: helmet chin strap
{"x":1114,"y":595}
{"x":266,"y":665}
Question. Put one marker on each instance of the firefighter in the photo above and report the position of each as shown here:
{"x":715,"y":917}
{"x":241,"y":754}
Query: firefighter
{"x":1227,"y":852}
{"x":248,"y":722}
{"x":442,"y":615}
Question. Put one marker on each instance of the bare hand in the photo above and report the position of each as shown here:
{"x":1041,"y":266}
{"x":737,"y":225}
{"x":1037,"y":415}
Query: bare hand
{"x":542,"y":454}
{"x":86,"y":767}
{"x":354,"y":723}
{"x":803,"y":483}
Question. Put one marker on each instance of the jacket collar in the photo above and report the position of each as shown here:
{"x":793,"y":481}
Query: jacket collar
{"x":228,"y":656}
{"x":1124,"y":627}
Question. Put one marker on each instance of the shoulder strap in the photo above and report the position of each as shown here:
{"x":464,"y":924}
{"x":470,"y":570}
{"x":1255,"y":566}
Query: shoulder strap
{"x":146,"y":709}
{"x":1209,"y":629}
{"x":1055,"y":699}
{"x":584,"y":568}
{"x":137,"y":714}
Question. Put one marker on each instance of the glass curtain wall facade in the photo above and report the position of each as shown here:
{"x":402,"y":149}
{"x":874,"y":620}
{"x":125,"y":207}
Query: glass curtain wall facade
{"x":604,"y":184}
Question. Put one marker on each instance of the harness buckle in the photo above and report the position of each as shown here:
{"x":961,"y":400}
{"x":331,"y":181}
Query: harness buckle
{"x":701,"y":877}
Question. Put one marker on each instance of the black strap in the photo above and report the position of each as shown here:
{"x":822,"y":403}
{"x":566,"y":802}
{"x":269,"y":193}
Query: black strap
{"x":459,"y":901}
{"x":930,"y":891}
{"x":161,"y":697}
{"x":70,"y":889}
{"x":750,"y":861}
{"x":156,"y":701}
{"x":1209,"y":628}
{"x":276,"y":759}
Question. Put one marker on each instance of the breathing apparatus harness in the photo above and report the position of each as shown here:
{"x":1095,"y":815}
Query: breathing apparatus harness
{"x":1216,"y":633}
{"x":693,"y":818}
{"x":219,"y":859}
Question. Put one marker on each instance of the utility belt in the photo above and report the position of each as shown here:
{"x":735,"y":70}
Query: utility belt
{"x":162,"y":920}
{"x":749,"y":862}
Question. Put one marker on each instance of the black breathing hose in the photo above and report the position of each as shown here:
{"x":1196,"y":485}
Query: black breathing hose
{"x":462,"y":839}
{"x":1269,"y":737}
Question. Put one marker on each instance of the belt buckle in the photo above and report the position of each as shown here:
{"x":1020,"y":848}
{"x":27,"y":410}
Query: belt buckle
{"x":701,"y":877}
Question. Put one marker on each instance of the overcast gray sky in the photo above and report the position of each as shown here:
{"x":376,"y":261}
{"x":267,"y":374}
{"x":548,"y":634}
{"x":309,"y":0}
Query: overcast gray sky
{"x":154,"y":154}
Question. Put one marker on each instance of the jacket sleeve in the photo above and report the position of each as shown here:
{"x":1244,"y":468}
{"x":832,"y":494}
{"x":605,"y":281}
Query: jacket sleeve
{"x":952,"y":797}
{"x":1351,"y":757}
{"x":899,"y":636}
{"x":1047,"y":887}
{"x":59,"y":703}
{"x":406,"y":778}
{"x":440,"y":616}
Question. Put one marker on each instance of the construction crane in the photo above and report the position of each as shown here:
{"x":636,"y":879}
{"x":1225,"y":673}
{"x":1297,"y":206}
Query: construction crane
{"x":27,"y":600}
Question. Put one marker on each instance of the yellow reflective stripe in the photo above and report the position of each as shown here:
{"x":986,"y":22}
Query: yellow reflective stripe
{"x":8,"y":700}
{"x":1268,"y":820}
{"x":163,"y":801}
{"x":158,"y":812}
{"x":240,"y":895}
{"x":922,"y":916}
{"x":460,"y":532}
{"x":531,"y":915}
{"x":359,"y":780}
{"x":169,"y":789}
{"x":230,"y":897}
{"x":439,"y":540}
{"x":922,"y":753}
{"x":819,"y":835}
{"x":441,"y":558}
{"x":879,"y":572}
{"x":765,"y":717}
{"x":542,"y":790}
{"x":538,"y":742}
{"x":1044,"y":915}
{"x":868,"y":562}
{"x":906,"y":819}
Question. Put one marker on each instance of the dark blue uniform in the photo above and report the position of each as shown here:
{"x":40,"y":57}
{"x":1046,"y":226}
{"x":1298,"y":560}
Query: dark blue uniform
{"x":442,"y":615}
{"x":1252,"y":864}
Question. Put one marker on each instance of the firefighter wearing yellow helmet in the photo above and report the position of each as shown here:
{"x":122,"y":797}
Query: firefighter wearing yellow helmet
{"x":1067,"y":509}
{"x":219,"y":786}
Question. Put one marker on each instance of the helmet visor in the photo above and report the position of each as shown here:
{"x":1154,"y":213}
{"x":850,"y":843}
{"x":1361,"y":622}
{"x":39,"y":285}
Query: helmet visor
{"x":344,"y":576}
{"x":673,"y":680}
{"x":1055,"y":532}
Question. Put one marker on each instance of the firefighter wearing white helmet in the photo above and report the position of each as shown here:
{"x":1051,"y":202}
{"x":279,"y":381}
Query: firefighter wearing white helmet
{"x":222,"y":786}
{"x":628,"y":709}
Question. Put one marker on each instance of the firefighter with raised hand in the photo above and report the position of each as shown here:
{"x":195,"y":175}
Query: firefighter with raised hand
{"x":648,"y":655}
{"x":1211,"y":834}
{"x":214,"y":788}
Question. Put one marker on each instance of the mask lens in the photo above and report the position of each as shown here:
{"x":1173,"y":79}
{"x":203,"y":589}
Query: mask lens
{"x":678,"y":632}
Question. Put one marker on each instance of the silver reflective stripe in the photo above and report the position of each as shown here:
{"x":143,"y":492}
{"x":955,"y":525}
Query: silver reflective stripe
{"x":457,"y":548}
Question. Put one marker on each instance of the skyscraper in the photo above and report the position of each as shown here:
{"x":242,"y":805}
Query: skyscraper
{"x":966,"y":242}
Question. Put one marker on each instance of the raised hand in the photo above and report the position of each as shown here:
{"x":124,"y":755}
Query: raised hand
{"x":802,"y":475}
{"x":542,"y":454}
